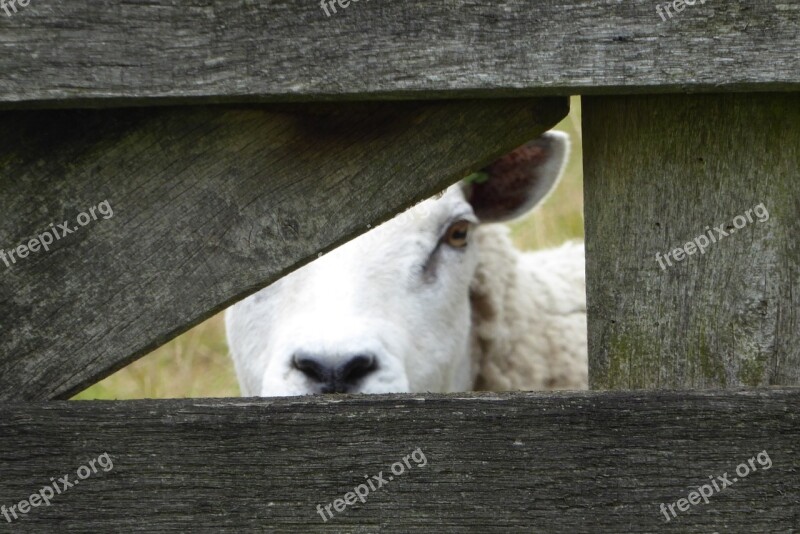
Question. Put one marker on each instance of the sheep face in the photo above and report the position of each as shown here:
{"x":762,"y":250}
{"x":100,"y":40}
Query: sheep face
{"x":390,"y":310}
{"x":386,"y":312}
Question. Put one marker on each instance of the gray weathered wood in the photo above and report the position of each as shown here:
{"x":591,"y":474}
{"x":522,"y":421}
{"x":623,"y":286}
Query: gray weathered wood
{"x":210,"y":204}
{"x":571,"y":462}
{"x":660,"y":172}
{"x":114,"y":52}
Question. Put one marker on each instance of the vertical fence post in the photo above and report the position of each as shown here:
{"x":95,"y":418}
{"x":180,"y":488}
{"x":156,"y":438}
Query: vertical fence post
{"x":692,"y":225}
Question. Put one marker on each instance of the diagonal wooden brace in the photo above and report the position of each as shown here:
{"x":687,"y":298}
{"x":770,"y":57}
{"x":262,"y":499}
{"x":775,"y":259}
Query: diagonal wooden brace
{"x":209,"y":205}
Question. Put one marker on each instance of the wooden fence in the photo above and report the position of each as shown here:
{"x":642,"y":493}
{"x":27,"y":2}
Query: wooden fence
{"x":238,"y":140}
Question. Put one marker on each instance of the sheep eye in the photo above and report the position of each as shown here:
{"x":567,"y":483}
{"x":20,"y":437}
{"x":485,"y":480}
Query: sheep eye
{"x":458,"y":234}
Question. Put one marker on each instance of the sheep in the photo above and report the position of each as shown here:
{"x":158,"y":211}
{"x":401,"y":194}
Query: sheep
{"x":434,"y":300}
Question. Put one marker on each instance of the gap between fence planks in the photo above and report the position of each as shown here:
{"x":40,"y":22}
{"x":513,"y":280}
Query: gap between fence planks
{"x":526,"y":462}
{"x":137,"y":52}
{"x":210,"y":204}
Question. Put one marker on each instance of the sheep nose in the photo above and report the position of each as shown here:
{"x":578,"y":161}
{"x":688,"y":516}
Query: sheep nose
{"x":335,"y":376}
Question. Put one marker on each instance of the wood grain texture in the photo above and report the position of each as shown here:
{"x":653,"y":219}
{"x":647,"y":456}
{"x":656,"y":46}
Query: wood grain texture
{"x":210,"y":205}
{"x":662,"y":171}
{"x":112,"y":52}
{"x":569,"y":462}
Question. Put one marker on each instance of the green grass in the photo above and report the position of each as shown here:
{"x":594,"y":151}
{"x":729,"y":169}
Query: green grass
{"x":196,"y":364}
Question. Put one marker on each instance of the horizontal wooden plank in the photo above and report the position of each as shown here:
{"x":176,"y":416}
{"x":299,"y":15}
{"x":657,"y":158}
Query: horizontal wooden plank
{"x":718,"y":172}
{"x":567,"y":462}
{"x":203,"y":206}
{"x":116,"y":52}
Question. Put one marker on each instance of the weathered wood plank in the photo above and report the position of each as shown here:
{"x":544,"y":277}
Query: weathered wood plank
{"x":663,"y":171}
{"x":209,"y":205}
{"x":571,"y":462}
{"x":114,"y":52}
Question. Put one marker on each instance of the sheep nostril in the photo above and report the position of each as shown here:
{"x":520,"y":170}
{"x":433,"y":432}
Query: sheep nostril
{"x":358,"y":367}
{"x":311,"y":368}
{"x":335,"y":377}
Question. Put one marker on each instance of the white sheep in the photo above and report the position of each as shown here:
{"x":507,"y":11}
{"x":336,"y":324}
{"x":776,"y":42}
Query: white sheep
{"x":434,"y":300}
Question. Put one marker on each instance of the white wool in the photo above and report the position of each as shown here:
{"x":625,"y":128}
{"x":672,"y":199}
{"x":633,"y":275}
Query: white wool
{"x":529,"y":316}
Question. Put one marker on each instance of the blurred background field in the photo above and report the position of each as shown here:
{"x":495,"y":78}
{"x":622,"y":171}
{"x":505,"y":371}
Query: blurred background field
{"x":196,"y":364}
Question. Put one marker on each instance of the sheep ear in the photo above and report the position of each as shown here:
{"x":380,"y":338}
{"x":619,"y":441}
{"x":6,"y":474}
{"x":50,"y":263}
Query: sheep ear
{"x":515,"y":183}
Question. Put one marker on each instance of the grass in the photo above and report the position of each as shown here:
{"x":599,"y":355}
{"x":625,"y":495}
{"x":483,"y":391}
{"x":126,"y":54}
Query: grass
{"x":196,"y":364}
